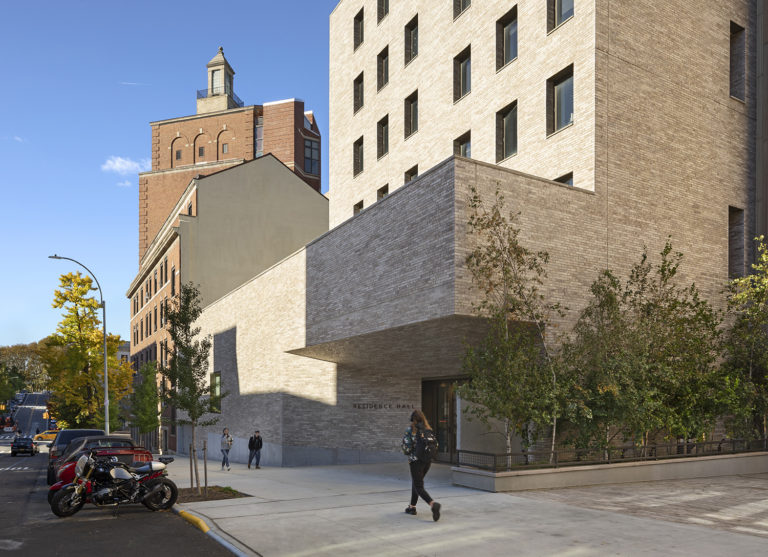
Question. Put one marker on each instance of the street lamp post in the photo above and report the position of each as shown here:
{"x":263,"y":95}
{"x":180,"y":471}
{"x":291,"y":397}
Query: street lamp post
{"x":104,"y":332}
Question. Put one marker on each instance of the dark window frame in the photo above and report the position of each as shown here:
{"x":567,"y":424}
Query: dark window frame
{"x":359,"y":29}
{"x":411,"y":174}
{"x":508,"y":19}
{"x":503,"y":142}
{"x":382,"y":137}
{"x":411,"y":114}
{"x":312,"y":163}
{"x":382,"y":68}
{"x":357,"y":156}
{"x":411,"y":39}
{"x":357,"y":207}
{"x":460,"y":142}
{"x":738,"y":61}
{"x":462,"y":74}
{"x":558,"y":80}
{"x":382,"y":10}
{"x":555,"y":15}
{"x":460,"y":6}
{"x":566,"y":179}
{"x":382,"y":192}
{"x":358,"y":92}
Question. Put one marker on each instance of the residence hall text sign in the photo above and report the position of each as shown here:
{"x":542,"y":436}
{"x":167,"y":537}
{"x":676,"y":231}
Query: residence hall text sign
{"x":382,"y":406}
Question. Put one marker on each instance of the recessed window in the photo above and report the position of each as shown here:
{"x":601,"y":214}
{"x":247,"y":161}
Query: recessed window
{"x":382,"y":68}
{"x":311,"y":156}
{"x":411,"y":113}
{"x":201,"y":152}
{"x":155,"y":280}
{"x":357,"y":87}
{"x":412,"y":39}
{"x":357,"y":207}
{"x":506,"y":132}
{"x":382,"y":192}
{"x":459,"y":6}
{"x":411,"y":173}
{"x":155,"y":318}
{"x":189,"y":209}
{"x":225,"y":148}
{"x":260,"y":136}
{"x":735,"y":242}
{"x":383,"y":9}
{"x":357,"y":157}
{"x":173,"y":281}
{"x":215,"y":400}
{"x":382,"y":137}
{"x":558,"y":12}
{"x":178,"y":154}
{"x":358,"y":29}
{"x":560,"y":100}
{"x":165,"y":276}
{"x":462,"y":74}
{"x":506,"y":38}
{"x":462,"y":145}
{"x":566,"y":179}
{"x":738,"y":61}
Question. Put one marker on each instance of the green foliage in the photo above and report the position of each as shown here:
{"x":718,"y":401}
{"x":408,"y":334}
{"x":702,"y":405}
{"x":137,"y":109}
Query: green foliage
{"x":746,"y":347}
{"x":145,"y":400}
{"x":23,"y":362}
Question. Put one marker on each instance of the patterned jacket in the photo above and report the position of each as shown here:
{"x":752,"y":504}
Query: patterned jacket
{"x":407,"y":444}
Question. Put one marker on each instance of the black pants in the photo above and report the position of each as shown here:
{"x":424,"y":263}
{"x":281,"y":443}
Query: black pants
{"x":419,"y":469}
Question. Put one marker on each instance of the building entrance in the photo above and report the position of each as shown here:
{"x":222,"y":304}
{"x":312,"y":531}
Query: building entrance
{"x":438,"y":402}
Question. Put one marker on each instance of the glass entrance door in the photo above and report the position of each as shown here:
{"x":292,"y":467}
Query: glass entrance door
{"x":439,"y":406}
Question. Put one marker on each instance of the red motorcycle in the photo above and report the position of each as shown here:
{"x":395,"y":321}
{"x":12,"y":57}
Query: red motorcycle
{"x":107,"y":482}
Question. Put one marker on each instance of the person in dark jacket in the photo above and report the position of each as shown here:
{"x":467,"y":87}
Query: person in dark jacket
{"x":254,"y":447}
{"x":418,"y":467}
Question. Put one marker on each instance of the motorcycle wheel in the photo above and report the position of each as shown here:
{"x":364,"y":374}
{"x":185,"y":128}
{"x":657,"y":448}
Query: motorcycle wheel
{"x":164,"y":498}
{"x":51,"y":495}
{"x":66,"y":502}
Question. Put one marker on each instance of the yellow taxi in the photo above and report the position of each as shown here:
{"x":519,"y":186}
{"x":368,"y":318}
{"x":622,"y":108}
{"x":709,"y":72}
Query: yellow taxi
{"x":45,"y":436}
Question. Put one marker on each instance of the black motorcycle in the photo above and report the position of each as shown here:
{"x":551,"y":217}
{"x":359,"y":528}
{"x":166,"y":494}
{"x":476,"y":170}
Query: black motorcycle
{"x":106,"y":482}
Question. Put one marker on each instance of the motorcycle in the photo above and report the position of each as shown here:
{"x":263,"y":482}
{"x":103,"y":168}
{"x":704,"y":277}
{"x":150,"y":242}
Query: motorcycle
{"x":106,"y":482}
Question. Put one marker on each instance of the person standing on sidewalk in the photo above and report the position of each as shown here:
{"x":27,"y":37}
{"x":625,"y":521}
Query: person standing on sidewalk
{"x":254,"y":447}
{"x":226,"y":444}
{"x":419,"y":468}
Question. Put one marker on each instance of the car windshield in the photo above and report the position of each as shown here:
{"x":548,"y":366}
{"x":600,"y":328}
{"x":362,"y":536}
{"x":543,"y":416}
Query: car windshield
{"x":90,"y":443}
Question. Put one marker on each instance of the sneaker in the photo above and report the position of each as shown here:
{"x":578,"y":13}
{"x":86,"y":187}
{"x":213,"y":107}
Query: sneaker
{"x":410,"y":510}
{"x":228,"y":468}
{"x":435,"y":511}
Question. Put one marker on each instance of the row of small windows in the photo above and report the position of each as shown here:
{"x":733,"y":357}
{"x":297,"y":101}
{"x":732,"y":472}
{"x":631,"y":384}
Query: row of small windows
{"x":559,"y":115}
{"x":150,"y":322}
{"x":381,"y":193}
{"x":201,"y":151}
{"x":159,"y":278}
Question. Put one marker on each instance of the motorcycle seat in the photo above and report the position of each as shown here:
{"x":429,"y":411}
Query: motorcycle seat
{"x":153,"y":466}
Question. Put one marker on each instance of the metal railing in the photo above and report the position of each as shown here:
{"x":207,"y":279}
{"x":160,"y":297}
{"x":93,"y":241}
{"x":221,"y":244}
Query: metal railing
{"x":216,"y":91}
{"x":569,"y":456}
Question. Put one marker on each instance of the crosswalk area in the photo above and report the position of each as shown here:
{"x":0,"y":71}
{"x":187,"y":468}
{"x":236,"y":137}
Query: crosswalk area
{"x":14,"y":468}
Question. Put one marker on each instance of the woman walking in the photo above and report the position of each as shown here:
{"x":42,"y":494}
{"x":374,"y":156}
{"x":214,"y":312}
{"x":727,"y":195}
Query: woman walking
{"x":226,"y":445}
{"x":416,"y":434}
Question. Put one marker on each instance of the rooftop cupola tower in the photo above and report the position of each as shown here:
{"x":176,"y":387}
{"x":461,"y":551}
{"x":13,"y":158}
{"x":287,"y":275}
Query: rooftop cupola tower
{"x":220,"y":94}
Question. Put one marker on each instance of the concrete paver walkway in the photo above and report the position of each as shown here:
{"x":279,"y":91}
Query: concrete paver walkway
{"x":358,"y":510}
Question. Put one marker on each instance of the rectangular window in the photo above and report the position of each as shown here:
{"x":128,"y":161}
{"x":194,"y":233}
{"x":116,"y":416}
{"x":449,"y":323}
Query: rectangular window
{"x":161,"y":275}
{"x":260,"y":137}
{"x":383,"y":9}
{"x":155,"y":318}
{"x":382,"y":137}
{"x":382,"y":192}
{"x":357,"y":207}
{"x":411,"y":173}
{"x":141,"y":330}
{"x":412,"y":39}
{"x":382,"y":68}
{"x":311,"y":156}
{"x":358,"y":29}
{"x":506,"y":38}
{"x":462,"y":145}
{"x":155,"y":280}
{"x":165,"y":277}
{"x":558,"y":12}
{"x":459,"y":6}
{"x":506,"y":132}
{"x":566,"y":179}
{"x":141,"y":297}
{"x":412,"y":113}
{"x":225,"y":148}
{"x":162,"y":315}
{"x":462,"y":74}
{"x":200,"y":152}
{"x":173,"y":281}
{"x":560,"y":100}
{"x":357,"y":157}
{"x":738,"y":61}
{"x":357,"y":87}
{"x":189,"y":209}
{"x":178,"y":154}
{"x":215,"y":401}
{"x":735,"y":242}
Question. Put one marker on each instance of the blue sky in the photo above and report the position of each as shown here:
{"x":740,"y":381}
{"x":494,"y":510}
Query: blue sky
{"x":82,"y":81}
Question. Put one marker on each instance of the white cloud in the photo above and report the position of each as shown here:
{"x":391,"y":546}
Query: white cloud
{"x":18,"y":139}
{"x":131,"y":83}
{"x":125,"y":184}
{"x":125,"y":166}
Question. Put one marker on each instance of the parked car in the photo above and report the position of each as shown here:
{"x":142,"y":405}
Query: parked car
{"x":48,"y":435}
{"x":60,"y":442}
{"x":23,"y":445}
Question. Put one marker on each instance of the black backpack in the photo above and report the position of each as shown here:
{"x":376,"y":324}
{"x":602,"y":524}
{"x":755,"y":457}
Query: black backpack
{"x":425,"y":446}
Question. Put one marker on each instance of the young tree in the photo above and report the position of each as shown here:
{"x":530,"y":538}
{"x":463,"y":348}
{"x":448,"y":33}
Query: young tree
{"x":74,"y":358}
{"x":513,"y":372}
{"x":747,"y":347}
{"x":187,"y":369}
{"x":145,"y":400}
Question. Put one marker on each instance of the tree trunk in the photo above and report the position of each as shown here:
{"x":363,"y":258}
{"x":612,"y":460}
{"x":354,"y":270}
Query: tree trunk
{"x":508,"y":441}
{"x":554,"y":435}
{"x":194,"y":456}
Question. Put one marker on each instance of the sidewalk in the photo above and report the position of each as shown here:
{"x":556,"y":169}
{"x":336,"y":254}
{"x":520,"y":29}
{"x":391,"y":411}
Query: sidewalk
{"x":358,"y":510}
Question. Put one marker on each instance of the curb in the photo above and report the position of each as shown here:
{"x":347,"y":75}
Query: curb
{"x":201,"y":525}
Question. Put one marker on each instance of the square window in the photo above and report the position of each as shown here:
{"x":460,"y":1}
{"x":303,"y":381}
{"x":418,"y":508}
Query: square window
{"x":358,"y":29}
{"x":560,"y":100}
{"x":383,"y":9}
{"x":411,"y":173}
{"x":201,"y":152}
{"x":357,"y":207}
{"x":738,"y":61}
{"x":357,"y":87}
{"x":225,"y":148}
{"x":178,"y":154}
{"x":357,"y":162}
{"x":506,"y":38}
{"x":506,"y":132}
{"x":382,"y":137}
{"x":412,"y":39}
{"x":411,"y":113}
{"x":462,"y":145}
{"x":566,"y":179}
{"x":558,"y":12}
{"x":382,"y":192}
{"x":459,"y":6}
{"x":312,"y":156}
{"x":382,"y":68}
{"x":462,"y":74}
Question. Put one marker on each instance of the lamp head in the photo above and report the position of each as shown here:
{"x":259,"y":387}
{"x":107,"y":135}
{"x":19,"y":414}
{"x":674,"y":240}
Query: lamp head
{"x":54,"y":256}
